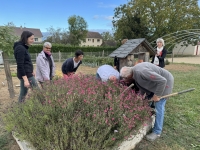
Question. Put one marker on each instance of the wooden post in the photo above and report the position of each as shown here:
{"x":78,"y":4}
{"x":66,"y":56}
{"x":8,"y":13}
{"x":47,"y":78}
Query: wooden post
{"x":172,"y":56}
{"x":8,"y":75}
{"x":59,"y":56}
{"x":103,"y":53}
{"x":146,"y":57}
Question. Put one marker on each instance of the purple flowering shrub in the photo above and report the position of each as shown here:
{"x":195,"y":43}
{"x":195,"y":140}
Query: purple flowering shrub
{"x":78,"y":113}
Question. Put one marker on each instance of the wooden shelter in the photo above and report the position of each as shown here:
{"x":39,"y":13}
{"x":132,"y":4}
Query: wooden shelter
{"x":131,"y":51}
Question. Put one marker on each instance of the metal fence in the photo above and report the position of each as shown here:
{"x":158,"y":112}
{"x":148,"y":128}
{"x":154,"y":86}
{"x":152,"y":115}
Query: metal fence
{"x":91,"y":57}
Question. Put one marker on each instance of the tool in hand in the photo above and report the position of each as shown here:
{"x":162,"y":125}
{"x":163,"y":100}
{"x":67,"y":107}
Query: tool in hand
{"x":173,"y":94}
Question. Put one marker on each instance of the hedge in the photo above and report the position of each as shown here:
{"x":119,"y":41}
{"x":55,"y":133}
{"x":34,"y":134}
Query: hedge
{"x":66,"y":48}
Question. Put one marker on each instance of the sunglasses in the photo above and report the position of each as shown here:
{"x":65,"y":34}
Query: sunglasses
{"x":47,"y":48}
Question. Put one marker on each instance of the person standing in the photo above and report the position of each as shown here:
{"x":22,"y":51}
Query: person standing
{"x":116,"y":63}
{"x":161,"y":52}
{"x":150,"y":78}
{"x":24,"y":64}
{"x":70,"y":66}
{"x":45,"y":70}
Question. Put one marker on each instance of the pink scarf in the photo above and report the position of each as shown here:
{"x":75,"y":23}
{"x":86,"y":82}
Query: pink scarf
{"x":48,"y":53}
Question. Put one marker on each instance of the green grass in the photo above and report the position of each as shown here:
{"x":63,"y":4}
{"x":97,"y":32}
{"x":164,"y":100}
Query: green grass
{"x":3,"y":142}
{"x":182,"y":117}
{"x":13,"y":74}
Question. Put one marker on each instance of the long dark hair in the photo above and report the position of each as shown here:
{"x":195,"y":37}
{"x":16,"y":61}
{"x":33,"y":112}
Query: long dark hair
{"x":24,"y":36}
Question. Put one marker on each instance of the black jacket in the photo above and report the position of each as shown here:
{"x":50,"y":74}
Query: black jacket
{"x":23,"y":60}
{"x":161,"y":58}
{"x":116,"y":63}
{"x":68,"y":66}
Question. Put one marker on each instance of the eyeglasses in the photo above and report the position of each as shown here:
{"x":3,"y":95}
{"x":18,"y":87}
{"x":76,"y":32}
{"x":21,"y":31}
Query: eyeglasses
{"x":47,"y":48}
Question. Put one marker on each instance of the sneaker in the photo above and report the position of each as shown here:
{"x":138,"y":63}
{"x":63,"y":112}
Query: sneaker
{"x":152,"y":136}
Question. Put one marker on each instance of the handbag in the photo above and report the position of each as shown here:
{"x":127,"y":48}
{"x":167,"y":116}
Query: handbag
{"x":156,"y":61}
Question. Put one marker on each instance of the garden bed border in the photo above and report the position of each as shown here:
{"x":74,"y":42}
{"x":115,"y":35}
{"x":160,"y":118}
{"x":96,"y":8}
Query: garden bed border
{"x":125,"y":145}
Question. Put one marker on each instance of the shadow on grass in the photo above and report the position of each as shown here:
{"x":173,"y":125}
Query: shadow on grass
{"x":4,"y":142}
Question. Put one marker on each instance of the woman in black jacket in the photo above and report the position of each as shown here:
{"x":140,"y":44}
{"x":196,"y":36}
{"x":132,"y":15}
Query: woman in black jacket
{"x":159,"y":58}
{"x":24,"y":63}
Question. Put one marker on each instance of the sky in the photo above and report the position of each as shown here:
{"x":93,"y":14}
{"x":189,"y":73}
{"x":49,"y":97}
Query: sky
{"x":43,"y":14}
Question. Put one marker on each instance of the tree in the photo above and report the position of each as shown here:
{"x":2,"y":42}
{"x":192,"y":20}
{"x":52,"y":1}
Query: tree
{"x":108,"y":39}
{"x":7,"y":40}
{"x":77,"y":29}
{"x":160,"y":18}
{"x":107,"y":36}
{"x":128,"y":25}
{"x":60,"y":36}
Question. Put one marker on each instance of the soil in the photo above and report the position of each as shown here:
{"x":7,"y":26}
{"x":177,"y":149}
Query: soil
{"x":5,"y":99}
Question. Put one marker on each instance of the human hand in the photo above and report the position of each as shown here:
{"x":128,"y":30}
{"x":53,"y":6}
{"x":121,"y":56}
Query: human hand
{"x":33,"y":74}
{"x":26,"y":84}
{"x":155,"y":98}
{"x":70,"y":74}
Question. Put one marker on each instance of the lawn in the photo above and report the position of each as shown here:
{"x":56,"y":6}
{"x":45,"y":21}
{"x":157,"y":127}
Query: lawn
{"x":182,"y":118}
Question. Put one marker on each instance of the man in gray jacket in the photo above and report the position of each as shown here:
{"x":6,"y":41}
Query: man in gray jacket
{"x":45,"y":70}
{"x":152,"y":79}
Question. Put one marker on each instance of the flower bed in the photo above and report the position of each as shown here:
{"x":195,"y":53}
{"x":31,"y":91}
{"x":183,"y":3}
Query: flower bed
{"x":79,"y":113}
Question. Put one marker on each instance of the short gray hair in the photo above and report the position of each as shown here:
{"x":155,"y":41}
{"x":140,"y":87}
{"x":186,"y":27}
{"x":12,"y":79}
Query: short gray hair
{"x":47,"y":44}
{"x":126,"y":71}
{"x":160,"y":40}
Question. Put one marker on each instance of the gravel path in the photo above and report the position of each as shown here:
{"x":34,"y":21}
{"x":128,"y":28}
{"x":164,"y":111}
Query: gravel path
{"x":188,"y":60}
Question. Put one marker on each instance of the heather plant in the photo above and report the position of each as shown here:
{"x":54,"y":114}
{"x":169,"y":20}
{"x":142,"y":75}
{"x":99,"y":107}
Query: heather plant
{"x":79,"y":113}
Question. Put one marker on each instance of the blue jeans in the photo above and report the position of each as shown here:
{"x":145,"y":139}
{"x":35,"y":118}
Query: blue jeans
{"x":160,"y":110}
{"x":98,"y":77}
{"x":24,"y":90}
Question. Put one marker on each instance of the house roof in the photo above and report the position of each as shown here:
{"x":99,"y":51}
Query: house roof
{"x":109,"y":43}
{"x":18,"y":31}
{"x":129,"y":46}
{"x":94,"y":35}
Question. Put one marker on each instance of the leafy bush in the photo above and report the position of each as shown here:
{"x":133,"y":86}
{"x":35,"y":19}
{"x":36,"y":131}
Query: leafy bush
{"x":67,"y":48}
{"x":167,"y":62}
{"x":97,"y":61}
{"x":79,"y":113}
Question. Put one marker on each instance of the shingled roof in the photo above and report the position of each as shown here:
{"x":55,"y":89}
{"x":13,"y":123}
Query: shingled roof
{"x":129,"y":46}
{"x":96,"y":35}
{"x":18,"y":31}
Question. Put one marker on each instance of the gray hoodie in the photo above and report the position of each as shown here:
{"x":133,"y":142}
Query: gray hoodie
{"x":151,"y":78}
{"x":42,"y":69}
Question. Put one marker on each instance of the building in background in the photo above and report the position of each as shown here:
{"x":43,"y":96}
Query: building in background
{"x":93,"y":39}
{"x":181,"y":49}
{"x":1,"y":57}
{"x":37,"y":33}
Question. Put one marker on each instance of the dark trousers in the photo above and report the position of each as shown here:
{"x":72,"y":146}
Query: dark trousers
{"x":24,"y":90}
